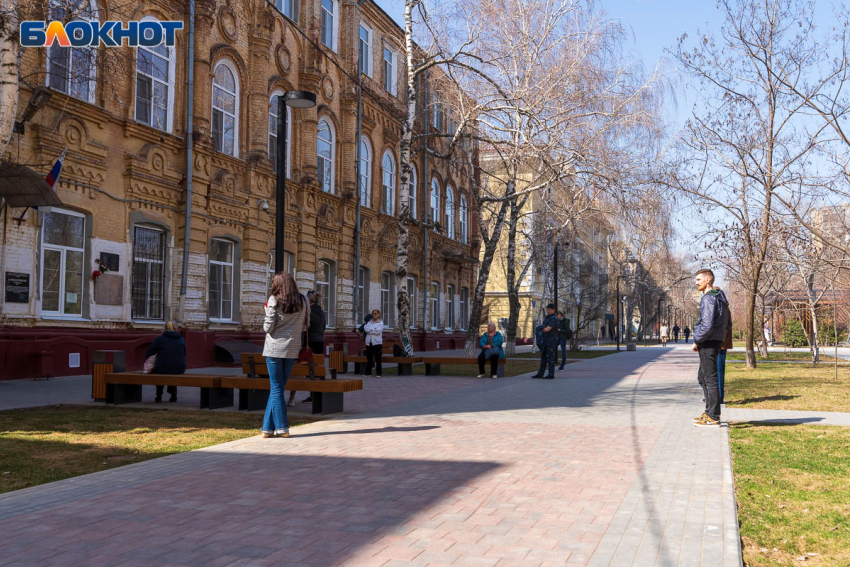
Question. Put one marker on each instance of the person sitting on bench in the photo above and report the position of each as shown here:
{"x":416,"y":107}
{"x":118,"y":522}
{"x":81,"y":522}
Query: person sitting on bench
{"x":170,"y":351}
{"x":491,"y":347}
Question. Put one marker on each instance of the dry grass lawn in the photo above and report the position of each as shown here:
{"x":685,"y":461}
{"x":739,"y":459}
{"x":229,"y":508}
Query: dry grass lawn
{"x":774,"y":385}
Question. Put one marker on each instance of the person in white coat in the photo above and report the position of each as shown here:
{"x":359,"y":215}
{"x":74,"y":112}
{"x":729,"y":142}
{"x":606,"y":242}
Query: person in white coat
{"x":374,"y":343}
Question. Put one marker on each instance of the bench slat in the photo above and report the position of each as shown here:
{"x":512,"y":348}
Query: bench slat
{"x":389,"y":359}
{"x":297,"y":370}
{"x":184,"y":380}
{"x":330,"y":386}
{"x":260,"y":360}
{"x":452,"y":360}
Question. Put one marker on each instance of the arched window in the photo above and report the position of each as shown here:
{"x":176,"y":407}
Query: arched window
{"x":73,"y":70}
{"x":274,"y":103}
{"x":155,"y":85}
{"x":225,"y":108}
{"x":388,"y":167}
{"x":450,"y":212}
{"x":463,"y":218}
{"x":365,"y":172}
{"x":411,"y":193}
{"x":325,"y":156}
{"x":435,"y":201}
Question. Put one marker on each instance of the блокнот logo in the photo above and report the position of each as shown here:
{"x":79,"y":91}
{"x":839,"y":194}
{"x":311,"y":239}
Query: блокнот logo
{"x":82,"y":33}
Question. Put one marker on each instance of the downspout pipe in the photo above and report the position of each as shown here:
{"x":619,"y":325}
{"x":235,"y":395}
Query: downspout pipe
{"x":357,"y":191}
{"x":190,"y":110}
{"x":426,"y":279}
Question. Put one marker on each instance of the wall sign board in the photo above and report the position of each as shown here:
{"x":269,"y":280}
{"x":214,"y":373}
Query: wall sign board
{"x":17,"y":287}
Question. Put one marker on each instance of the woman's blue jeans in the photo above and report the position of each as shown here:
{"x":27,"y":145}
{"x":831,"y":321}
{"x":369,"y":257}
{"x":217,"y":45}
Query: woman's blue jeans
{"x":279,"y":370}
{"x":721,"y":373}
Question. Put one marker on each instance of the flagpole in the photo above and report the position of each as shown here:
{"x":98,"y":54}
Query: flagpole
{"x":51,"y":180}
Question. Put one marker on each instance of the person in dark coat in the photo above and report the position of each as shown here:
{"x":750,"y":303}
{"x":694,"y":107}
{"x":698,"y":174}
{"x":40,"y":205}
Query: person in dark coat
{"x":315,"y":333}
{"x":687,"y":332}
{"x":549,"y":345}
{"x":709,"y":333}
{"x":170,"y":351}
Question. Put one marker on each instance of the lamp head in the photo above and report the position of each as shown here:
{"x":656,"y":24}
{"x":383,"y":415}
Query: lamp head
{"x":299,"y":99}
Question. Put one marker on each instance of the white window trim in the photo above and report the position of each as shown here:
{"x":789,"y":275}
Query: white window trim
{"x":232,"y":265}
{"x":411,"y":191}
{"x":450,"y":307}
{"x":388,"y":314}
{"x":434,"y":208}
{"x":370,"y":67}
{"x":229,"y":64}
{"x":147,"y":261}
{"x":388,"y":205}
{"x":366,"y":188}
{"x":282,"y":3}
{"x":330,"y":313}
{"x":450,"y":216}
{"x":464,"y":309}
{"x":93,"y":75}
{"x":434,"y":300}
{"x":335,"y":25}
{"x":333,"y":151}
{"x":393,"y":79}
{"x":411,"y":293}
{"x":288,"y":133}
{"x":172,"y":66}
{"x":63,"y":249}
{"x":463,"y":214}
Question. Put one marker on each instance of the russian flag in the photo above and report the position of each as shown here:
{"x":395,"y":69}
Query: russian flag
{"x":53,"y":176}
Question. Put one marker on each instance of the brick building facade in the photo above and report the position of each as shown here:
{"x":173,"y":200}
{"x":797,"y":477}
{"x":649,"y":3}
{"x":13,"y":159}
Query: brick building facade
{"x":124,"y":188}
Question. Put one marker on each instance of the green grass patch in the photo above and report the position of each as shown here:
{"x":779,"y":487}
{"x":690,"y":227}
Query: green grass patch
{"x":571,"y":354}
{"x":779,"y":356}
{"x":45,"y":444}
{"x":512,"y":368}
{"x":776,"y":385}
{"x":793,"y":490}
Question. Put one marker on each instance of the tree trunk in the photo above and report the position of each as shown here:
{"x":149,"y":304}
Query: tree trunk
{"x":511,"y":281}
{"x":9,"y":53}
{"x":751,"y":330}
{"x":763,"y":350}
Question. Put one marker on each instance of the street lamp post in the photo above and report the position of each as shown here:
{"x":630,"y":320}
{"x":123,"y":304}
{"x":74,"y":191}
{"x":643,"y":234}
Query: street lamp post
{"x":619,"y":306}
{"x":293,"y":99}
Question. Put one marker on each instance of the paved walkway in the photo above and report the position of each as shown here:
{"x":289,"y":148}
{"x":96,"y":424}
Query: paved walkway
{"x":598,"y":467}
{"x":788,"y":416}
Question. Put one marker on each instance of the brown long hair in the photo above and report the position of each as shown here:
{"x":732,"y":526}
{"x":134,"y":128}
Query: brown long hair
{"x":285,"y":293}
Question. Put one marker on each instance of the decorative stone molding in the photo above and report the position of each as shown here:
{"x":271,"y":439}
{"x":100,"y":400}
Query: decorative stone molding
{"x":227,"y":23}
{"x":283,"y":59}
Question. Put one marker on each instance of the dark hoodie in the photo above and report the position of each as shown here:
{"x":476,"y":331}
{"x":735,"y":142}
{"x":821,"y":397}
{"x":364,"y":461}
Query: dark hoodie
{"x":714,"y":317}
{"x":318,"y":322}
{"x":170,"y":351}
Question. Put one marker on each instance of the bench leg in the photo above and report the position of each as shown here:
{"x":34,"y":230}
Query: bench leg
{"x":326,"y":402}
{"x":215,"y":398}
{"x":359,"y":367}
{"x":432,"y":369}
{"x":500,"y":370}
{"x":405,"y":369}
{"x":252,"y":400}
{"x":344,"y":369}
{"x":123,"y":393}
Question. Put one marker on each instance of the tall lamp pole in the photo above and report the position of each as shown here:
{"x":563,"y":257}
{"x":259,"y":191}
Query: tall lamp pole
{"x":619,"y":305}
{"x":556,"y":276}
{"x":293,"y":99}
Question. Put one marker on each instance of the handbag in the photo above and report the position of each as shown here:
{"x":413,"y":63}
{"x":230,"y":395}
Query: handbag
{"x":150,"y":363}
{"x":306,"y":353}
{"x":490,"y":353}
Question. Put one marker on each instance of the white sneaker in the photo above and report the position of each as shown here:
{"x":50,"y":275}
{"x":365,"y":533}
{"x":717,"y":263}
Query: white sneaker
{"x":290,"y":404}
{"x":378,"y":376}
{"x":480,"y":376}
{"x":494,"y":376}
{"x":282,"y":433}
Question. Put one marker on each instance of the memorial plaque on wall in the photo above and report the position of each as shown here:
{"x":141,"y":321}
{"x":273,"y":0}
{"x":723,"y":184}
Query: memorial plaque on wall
{"x":110,"y":261}
{"x":17,"y":287}
{"x":109,"y":289}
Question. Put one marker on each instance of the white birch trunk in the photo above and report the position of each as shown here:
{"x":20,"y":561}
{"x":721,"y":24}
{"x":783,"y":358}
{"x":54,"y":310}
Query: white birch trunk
{"x":9,"y":51}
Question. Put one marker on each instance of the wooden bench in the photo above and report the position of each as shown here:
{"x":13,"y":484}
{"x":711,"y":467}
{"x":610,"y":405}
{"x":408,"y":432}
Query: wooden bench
{"x":327,"y":394}
{"x":433,"y":363}
{"x":254,"y":365}
{"x":126,"y":387}
{"x":404,"y":368}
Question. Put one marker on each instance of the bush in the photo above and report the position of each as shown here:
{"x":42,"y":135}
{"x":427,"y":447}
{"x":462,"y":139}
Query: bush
{"x":793,"y":335}
{"x":826,"y":332}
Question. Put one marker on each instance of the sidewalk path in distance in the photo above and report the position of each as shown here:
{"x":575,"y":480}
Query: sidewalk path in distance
{"x":598,"y":467}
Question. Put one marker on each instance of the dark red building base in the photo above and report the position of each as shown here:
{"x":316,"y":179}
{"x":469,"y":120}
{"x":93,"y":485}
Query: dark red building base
{"x":42,"y":352}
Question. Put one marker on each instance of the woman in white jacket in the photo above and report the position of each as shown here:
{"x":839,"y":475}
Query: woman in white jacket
{"x":374,"y":343}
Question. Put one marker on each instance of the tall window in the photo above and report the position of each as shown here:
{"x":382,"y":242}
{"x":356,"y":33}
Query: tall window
{"x":221,"y":280}
{"x":62,"y":251}
{"x":326,"y":285}
{"x":435,"y":305}
{"x":413,"y":292}
{"x":464,"y":308}
{"x":289,"y":8}
{"x":73,"y":70}
{"x":155,"y":85}
{"x":388,"y":298}
{"x":435,"y":201}
{"x":329,"y":23}
{"x":411,"y":192}
{"x":450,"y":212}
{"x":388,"y":167}
{"x":325,"y":156}
{"x":288,"y":267}
{"x":225,"y":109}
{"x":365,"y":173}
{"x":364,"y":59}
{"x":438,"y":115}
{"x":274,"y":103}
{"x":362,"y":292}
{"x":463,"y":217}
{"x":450,"y":307}
{"x":148,"y":273}
{"x":390,"y":72}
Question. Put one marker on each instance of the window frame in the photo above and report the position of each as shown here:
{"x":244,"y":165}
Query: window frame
{"x":391,"y":71}
{"x":450,"y":307}
{"x":388,"y":192}
{"x":387,"y":304}
{"x":464,"y":308}
{"x":412,"y":290}
{"x":293,"y":4}
{"x":62,"y":249}
{"x":411,"y":192}
{"x":463,"y":219}
{"x":172,"y":67}
{"x":232,"y":264}
{"x":434,"y":202}
{"x":334,"y":21}
{"x":369,"y":42}
{"x":232,"y":68}
{"x":332,"y":158}
{"x":288,"y":142}
{"x":450,"y":212}
{"x":328,"y":301}
{"x":362,"y":284}
{"x":147,"y":317}
{"x":434,"y":300}
{"x":365,"y":178}
{"x":91,"y":14}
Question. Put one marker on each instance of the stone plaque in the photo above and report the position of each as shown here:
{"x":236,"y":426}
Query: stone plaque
{"x":17,"y":287}
{"x":109,"y":289}
{"x":110,"y":261}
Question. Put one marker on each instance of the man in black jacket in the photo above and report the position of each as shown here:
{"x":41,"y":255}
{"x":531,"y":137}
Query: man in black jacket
{"x":170,"y":351}
{"x":709,"y":332}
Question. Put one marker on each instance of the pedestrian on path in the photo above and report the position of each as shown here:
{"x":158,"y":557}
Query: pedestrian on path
{"x":315,"y":334}
{"x":564,"y":334}
{"x":687,"y":332}
{"x":662,"y":333}
{"x":374,"y":343}
{"x":721,"y":364}
{"x":676,"y":332}
{"x":547,"y":333}
{"x":170,"y":351}
{"x":709,"y":333}
{"x":287,"y":316}
{"x":491,"y":349}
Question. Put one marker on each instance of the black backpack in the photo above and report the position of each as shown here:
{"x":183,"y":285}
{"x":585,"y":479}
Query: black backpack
{"x":398,"y":351}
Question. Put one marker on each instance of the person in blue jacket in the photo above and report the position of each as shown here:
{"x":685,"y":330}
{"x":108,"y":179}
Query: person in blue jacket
{"x":170,"y":351}
{"x":491,"y":348}
{"x":709,"y":333}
